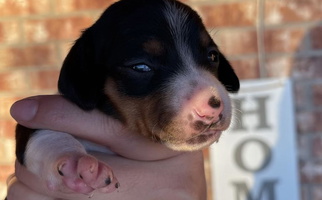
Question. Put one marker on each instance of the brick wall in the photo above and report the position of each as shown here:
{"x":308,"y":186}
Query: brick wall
{"x":262,"y":38}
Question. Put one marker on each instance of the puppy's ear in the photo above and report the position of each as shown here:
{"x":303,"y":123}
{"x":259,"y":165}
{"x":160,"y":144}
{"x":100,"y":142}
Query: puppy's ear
{"x":81,"y":78}
{"x":227,"y":76}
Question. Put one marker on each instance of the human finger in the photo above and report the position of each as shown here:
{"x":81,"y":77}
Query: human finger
{"x":56,"y":113}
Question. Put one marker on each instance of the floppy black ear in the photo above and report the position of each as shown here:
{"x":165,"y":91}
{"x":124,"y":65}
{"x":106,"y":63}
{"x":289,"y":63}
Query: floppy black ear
{"x":84,"y":71}
{"x":81,"y":78}
{"x":226,"y":75}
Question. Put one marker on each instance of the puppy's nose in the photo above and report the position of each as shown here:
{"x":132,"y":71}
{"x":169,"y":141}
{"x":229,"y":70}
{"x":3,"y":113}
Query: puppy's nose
{"x":211,"y":110}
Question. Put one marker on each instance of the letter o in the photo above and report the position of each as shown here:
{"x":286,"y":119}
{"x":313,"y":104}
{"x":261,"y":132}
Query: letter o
{"x":267,"y":153}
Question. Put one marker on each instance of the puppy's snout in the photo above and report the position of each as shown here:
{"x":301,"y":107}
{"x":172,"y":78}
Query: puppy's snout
{"x":206,"y":105}
{"x":209,"y":109}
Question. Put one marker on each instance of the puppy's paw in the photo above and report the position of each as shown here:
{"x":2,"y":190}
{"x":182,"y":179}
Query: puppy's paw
{"x":83,"y":174}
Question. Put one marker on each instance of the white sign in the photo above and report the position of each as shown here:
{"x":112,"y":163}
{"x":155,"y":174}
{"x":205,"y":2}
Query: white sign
{"x":256,"y":158}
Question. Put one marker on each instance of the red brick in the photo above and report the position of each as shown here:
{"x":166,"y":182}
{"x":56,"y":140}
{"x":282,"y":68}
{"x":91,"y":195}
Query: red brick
{"x":56,"y":28}
{"x":7,"y":146}
{"x":9,"y":32}
{"x":66,"y":6}
{"x":7,"y":128}
{"x":237,"y":42}
{"x":300,"y":95}
{"x":305,"y":68}
{"x":44,"y":80}
{"x":304,"y":146}
{"x":316,"y":37}
{"x":279,"y":66}
{"x":311,"y":172}
{"x":64,"y":48}
{"x":317,"y":94}
{"x":40,"y":55}
{"x":24,"y":7}
{"x":229,"y":14}
{"x":309,"y":121}
{"x":305,"y":192}
{"x":207,"y":170}
{"x":278,"y":12}
{"x":246,"y":68}
{"x":317,"y":192}
{"x":14,"y":81}
{"x":5,"y":171}
{"x":317,"y":146}
{"x":285,"y":40}
{"x":318,"y":121}
{"x":5,"y":104}
{"x":305,"y":122}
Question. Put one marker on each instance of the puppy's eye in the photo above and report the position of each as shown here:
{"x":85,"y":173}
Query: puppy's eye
{"x":141,"y":68}
{"x":213,"y":56}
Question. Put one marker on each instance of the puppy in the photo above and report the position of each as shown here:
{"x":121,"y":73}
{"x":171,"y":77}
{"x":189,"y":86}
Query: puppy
{"x":152,"y":66}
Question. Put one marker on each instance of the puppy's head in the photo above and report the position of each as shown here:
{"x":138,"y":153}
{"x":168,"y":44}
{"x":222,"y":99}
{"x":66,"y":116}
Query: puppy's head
{"x":153,"y":66}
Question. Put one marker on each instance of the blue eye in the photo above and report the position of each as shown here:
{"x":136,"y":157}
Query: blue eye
{"x":141,"y":68}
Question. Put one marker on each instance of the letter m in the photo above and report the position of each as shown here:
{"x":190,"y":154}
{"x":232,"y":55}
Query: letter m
{"x":266,"y":189}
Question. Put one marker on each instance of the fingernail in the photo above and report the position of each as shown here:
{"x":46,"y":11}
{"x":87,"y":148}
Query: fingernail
{"x":117,"y":185}
{"x":24,"y":110}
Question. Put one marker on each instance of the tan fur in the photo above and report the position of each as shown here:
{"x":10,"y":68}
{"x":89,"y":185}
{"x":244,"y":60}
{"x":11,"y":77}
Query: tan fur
{"x":153,"y":47}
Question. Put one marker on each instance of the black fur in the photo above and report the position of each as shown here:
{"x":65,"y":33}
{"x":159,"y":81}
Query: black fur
{"x":23,"y":134}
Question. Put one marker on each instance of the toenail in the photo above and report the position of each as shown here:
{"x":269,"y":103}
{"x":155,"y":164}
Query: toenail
{"x":91,"y":169}
{"x":59,"y":169}
{"x":117,"y":185}
{"x":91,"y":195}
{"x":60,"y":172}
{"x":108,"y":181}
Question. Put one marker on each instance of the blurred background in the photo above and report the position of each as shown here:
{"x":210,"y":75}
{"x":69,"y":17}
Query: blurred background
{"x":261,"y":38}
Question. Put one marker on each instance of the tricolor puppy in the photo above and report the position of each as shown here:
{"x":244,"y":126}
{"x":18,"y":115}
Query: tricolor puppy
{"x":149,"y":64}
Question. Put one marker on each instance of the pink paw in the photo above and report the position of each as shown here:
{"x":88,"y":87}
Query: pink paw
{"x":84,"y":174}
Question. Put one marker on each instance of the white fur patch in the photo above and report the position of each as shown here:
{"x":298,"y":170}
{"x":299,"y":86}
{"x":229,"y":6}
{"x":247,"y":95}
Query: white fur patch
{"x":52,"y":144}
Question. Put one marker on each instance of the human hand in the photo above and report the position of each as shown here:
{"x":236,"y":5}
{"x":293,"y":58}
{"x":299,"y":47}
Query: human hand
{"x":169,"y":171}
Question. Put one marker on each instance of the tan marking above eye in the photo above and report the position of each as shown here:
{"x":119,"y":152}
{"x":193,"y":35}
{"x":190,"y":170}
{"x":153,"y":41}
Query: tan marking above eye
{"x":204,"y":38}
{"x":153,"y":46}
